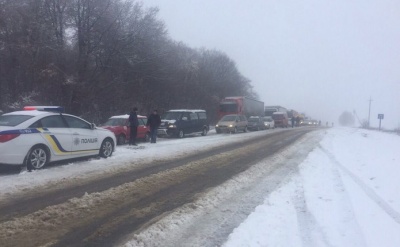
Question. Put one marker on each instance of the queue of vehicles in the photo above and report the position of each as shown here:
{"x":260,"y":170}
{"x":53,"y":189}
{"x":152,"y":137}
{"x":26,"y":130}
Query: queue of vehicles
{"x":39,"y":135}
{"x":240,"y":114}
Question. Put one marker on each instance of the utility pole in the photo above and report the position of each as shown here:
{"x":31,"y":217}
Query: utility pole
{"x":369,"y":111}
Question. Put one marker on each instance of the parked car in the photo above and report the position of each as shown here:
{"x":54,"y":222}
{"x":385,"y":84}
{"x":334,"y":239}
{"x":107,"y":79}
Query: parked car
{"x":255,"y":123}
{"x":269,"y":123}
{"x":179,"y":123}
{"x":281,"y":119}
{"x":40,"y":135}
{"x":119,"y":126}
{"x":232,"y":123}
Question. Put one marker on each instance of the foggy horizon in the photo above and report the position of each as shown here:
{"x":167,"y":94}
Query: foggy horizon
{"x":316,"y":57}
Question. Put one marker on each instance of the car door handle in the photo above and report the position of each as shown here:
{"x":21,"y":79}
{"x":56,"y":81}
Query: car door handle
{"x":75,"y":134}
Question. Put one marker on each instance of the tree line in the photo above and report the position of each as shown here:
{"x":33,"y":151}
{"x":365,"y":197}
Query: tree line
{"x":101,"y":58}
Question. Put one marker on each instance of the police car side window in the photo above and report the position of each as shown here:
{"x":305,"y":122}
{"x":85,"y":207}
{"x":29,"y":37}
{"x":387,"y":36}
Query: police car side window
{"x":53,"y":122}
{"x":37,"y":124}
{"x":74,"y":122}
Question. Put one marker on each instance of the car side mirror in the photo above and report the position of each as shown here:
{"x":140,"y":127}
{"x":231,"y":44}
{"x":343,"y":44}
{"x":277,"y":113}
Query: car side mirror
{"x":92,"y":126}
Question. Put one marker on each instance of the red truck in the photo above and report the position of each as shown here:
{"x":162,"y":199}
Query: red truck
{"x":240,"y":105}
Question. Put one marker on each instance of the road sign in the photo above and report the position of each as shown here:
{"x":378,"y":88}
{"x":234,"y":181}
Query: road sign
{"x":380,"y":117}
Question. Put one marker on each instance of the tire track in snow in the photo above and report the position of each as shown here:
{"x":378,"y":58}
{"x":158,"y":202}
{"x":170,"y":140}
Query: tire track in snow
{"x":392,"y":213}
{"x":210,"y":219}
{"x":307,"y":223}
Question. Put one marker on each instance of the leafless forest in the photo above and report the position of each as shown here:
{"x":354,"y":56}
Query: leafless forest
{"x":100,"y":58}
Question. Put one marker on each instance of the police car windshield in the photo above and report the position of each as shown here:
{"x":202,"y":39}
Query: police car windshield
{"x":13,"y":120}
{"x":172,"y":116}
{"x":253,"y":119}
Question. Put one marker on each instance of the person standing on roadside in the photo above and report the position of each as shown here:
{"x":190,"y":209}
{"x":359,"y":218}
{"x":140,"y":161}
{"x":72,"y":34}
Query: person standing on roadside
{"x":133,"y":124}
{"x":153,"y":121}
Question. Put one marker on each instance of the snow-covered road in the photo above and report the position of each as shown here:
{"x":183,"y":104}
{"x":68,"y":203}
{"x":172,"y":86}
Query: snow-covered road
{"x":333,"y":187}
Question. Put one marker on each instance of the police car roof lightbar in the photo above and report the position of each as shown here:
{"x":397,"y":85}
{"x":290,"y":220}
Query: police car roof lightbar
{"x":58,"y":109}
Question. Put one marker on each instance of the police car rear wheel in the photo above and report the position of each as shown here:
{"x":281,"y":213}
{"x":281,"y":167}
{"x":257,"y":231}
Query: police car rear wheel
{"x":37,"y":158}
{"x":106,"y":148}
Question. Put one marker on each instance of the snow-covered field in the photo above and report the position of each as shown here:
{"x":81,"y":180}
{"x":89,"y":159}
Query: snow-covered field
{"x":347,"y":193}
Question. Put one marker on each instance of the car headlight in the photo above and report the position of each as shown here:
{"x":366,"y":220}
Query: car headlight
{"x":231,"y":125}
{"x":216,"y":125}
{"x":172,"y":126}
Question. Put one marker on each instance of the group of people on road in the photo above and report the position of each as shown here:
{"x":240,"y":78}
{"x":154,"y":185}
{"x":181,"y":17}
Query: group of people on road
{"x":295,"y":121}
{"x":153,"y":121}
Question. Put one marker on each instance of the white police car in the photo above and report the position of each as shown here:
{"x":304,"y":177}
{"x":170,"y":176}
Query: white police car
{"x":41,"y":134}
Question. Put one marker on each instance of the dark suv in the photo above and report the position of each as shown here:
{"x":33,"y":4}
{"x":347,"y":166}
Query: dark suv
{"x":181,"y":122}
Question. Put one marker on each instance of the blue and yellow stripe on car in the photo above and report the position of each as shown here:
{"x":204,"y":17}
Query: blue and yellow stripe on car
{"x":52,"y":140}
{"x":55,"y":144}
{"x":58,"y":149}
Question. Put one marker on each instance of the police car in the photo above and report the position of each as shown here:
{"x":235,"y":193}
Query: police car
{"x":42,"y":134}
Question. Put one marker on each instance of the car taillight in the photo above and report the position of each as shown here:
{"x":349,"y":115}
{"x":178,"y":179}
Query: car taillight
{"x":8,"y":137}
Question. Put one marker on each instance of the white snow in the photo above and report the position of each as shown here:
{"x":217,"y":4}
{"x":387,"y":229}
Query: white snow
{"x":345,"y":192}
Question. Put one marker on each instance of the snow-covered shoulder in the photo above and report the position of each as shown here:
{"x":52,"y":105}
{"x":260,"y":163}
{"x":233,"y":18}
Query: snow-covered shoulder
{"x":345,"y":194}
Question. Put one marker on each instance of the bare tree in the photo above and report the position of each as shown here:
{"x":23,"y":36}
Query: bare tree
{"x":100,"y":58}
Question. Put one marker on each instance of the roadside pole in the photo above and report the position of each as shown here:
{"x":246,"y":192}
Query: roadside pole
{"x":369,"y":112}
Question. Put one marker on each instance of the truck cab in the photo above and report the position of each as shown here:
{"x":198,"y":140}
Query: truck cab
{"x":280,"y":119}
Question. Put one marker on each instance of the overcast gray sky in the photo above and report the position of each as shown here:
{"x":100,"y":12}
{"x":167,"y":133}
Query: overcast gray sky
{"x":315,"y":56}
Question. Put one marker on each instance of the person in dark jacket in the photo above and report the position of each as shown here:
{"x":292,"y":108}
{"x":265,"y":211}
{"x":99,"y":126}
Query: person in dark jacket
{"x":153,"y":121}
{"x":133,"y":124}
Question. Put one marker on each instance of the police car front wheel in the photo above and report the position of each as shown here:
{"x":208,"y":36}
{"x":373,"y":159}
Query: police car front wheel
{"x":106,"y":148}
{"x":37,"y":157}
